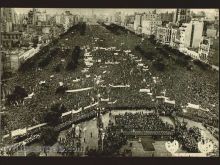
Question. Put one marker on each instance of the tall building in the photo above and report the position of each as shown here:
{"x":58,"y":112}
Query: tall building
{"x":150,"y":22}
{"x":191,"y":34}
{"x":117,"y":17}
{"x":9,"y":20}
{"x":181,"y":16}
{"x":196,"y":35}
{"x":167,"y":17}
{"x":137,"y":21}
{"x":175,"y":37}
{"x":123,"y":19}
{"x":204,"y":48}
{"x":58,"y":19}
{"x":8,"y":17}
{"x":163,"y":34}
{"x":11,"y":39}
{"x":32,"y":17}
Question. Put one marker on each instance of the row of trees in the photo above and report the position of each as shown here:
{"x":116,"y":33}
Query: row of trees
{"x":42,"y":60}
{"x":148,"y":55}
{"x":202,"y":65}
{"x":116,"y":29}
{"x":46,"y":59}
{"x":183,"y":59}
{"x":17,"y":95}
{"x":31,"y":63}
{"x":73,"y":59}
{"x":158,"y":63}
{"x":80,"y":27}
{"x":52,"y":117}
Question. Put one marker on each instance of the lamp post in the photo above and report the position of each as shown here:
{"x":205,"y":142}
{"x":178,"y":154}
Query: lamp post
{"x":184,"y":111}
{"x":103,"y":136}
{"x":25,"y":153}
{"x":84,"y":132}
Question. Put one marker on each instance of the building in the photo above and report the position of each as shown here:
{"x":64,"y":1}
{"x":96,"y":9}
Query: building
{"x":150,"y":22}
{"x":123,"y":19}
{"x":204,"y":48}
{"x":137,"y":22}
{"x":66,"y":23}
{"x":58,"y":19}
{"x":10,"y":61}
{"x":46,"y":29}
{"x":149,"y":27}
{"x":129,"y":21}
{"x":211,"y":32}
{"x":175,"y":37}
{"x":197,"y":32}
{"x":41,"y":17}
{"x":191,"y":34}
{"x":117,"y":17}
{"x":8,"y":18}
{"x":166,"y":17}
{"x":11,"y":39}
{"x":163,"y":34}
{"x":32,"y":17}
{"x":181,"y":16}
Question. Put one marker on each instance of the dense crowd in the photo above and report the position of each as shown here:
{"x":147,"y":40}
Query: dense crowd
{"x":113,"y":141}
{"x":117,"y":67}
{"x":141,"y":122}
{"x":70,"y":144}
{"x":188,"y":138}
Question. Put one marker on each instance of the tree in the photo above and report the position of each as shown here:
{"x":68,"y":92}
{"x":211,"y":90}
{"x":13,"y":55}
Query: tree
{"x":159,"y":66}
{"x":61,"y":90}
{"x":71,"y":66}
{"x":35,"y":42}
{"x":3,"y":119}
{"x":18,"y":94}
{"x":33,"y":154}
{"x":182,"y":61}
{"x":27,"y":65}
{"x":52,"y":118}
{"x":57,"y":68}
{"x":49,"y":136}
{"x":152,"y":39}
{"x":202,"y":65}
{"x":58,"y":108}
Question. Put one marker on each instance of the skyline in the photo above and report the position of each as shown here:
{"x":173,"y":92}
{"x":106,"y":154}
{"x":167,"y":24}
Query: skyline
{"x":87,"y":11}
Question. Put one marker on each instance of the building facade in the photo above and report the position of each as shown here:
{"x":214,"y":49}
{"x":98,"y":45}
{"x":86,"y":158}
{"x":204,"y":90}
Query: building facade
{"x":11,"y":39}
{"x":137,"y":22}
{"x":196,"y":34}
{"x":191,"y":34}
{"x":204,"y":48}
{"x":149,"y":27}
{"x":163,"y":34}
{"x":181,"y":16}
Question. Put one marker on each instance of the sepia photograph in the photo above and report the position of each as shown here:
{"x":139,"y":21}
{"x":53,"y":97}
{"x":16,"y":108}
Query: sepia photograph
{"x":109,"y":82}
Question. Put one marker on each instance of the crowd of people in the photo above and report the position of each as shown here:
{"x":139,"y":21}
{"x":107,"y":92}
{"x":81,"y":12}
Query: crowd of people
{"x":141,"y":122}
{"x":69,"y":145}
{"x":112,"y":141}
{"x":115,"y":66}
{"x":188,"y":138}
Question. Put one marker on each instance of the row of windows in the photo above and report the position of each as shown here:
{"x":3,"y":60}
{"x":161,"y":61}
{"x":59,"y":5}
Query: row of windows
{"x":11,"y":36}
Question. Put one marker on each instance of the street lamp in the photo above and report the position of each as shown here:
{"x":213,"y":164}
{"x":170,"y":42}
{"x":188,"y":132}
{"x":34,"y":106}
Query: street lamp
{"x":84,"y":131}
{"x":103,"y":136}
{"x":184,"y":111}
